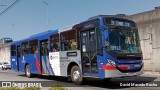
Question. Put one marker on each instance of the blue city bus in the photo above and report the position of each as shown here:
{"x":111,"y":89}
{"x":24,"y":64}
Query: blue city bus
{"x":102,"y":47}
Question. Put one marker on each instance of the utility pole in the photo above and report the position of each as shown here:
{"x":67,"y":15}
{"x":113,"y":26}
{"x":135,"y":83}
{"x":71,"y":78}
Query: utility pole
{"x":46,"y":11}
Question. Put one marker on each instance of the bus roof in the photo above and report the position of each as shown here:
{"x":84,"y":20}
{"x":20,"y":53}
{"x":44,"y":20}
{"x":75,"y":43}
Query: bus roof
{"x":39,"y":35}
{"x":118,"y":16}
{"x":46,"y":33}
{"x":107,"y":16}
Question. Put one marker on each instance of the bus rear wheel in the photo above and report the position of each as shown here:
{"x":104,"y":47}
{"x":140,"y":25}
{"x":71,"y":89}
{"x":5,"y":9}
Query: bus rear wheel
{"x":76,"y":75}
{"x":28,"y":71}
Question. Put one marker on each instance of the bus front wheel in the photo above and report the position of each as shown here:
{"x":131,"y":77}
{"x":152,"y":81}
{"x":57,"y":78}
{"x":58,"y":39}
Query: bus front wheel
{"x":76,"y":75}
{"x":28,"y":71}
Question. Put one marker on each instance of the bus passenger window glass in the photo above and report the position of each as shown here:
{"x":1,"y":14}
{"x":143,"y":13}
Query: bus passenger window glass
{"x":54,"y":43}
{"x":13,"y":50}
{"x":33,"y":46}
{"x":25,"y":48}
{"x":19,"y":52}
{"x":92,"y":40}
{"x":68,"y":40}
{"x":44,"y":48}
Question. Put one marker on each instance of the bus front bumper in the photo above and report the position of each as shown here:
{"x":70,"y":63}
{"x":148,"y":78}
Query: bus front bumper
{"x":117,"y":73}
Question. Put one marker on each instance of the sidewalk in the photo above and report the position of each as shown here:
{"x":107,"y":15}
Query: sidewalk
{"x":151,"y":73}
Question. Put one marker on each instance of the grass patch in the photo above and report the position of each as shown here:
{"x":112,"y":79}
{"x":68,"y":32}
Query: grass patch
{"x":58,"y":87}
{"x":25,"y":88}
{"x":31,"y":88}
{"x":10,"y":88}
{"x":55,"y":87}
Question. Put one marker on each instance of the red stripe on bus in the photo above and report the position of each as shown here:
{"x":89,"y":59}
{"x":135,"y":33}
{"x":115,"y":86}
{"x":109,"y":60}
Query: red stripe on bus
{"x":108,"y":67}
{"x":38,"y":65}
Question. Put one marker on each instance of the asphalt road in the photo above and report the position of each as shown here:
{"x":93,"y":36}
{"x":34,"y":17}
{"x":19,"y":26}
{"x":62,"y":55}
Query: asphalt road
{"x":129,"y":83}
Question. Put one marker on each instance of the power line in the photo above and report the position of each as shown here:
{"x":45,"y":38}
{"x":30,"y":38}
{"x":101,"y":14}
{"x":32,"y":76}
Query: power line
{"x":9,"y":7}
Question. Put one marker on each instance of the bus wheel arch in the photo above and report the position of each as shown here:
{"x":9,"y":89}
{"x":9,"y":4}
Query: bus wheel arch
{"x":70,"y":67}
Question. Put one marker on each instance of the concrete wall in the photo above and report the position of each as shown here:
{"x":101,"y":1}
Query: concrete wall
{"x":149,"y":30}
{"x":5,"y":53}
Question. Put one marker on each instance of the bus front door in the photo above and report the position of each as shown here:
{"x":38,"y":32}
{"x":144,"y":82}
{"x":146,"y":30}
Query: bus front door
{"x":89,"y":52}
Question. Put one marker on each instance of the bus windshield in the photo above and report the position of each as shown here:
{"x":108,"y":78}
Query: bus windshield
{"x":123,"y":41}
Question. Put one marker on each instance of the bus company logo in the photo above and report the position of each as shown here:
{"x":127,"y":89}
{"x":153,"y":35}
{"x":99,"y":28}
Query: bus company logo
{"x":6,"y":84}
{"x":55,"y":57}
{"x":51,"y":57}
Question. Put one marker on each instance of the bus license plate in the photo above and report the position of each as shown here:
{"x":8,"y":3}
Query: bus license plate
{"x":137,"y":65}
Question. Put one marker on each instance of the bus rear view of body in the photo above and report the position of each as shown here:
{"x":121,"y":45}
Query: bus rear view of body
{"x":101,"y":47}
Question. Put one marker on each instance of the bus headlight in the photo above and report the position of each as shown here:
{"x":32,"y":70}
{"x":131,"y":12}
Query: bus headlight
{"x":111,"y":62}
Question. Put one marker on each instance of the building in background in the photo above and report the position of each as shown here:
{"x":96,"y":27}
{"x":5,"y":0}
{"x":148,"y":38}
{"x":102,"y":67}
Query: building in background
{"x":5,"y":49}
{"x":5,"y":40}
{"x":5,"y":52}
{"x":149,"y":30}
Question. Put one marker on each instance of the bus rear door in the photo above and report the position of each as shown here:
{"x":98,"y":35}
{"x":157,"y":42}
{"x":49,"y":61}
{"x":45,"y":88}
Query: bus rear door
{"x":44,"y":57}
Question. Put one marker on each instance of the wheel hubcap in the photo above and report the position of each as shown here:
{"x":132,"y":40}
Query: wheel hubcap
{"x":28,"y":71}
{"x":76,"y":75}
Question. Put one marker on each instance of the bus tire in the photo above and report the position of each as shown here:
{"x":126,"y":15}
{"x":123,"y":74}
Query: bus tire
{"x":28,"y":71}
{"x":76,"y":75}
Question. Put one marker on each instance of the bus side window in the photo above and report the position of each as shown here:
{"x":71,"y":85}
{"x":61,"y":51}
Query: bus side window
{"x":44,"y":48}
{"x":73,"y":44}
{"x":35,"y":49}
{"x":69,"y":40}
{"x":33,"y":46}
{"x":25,"y":48}
{"x":13,"y":50}
{"x":54,"y":45}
